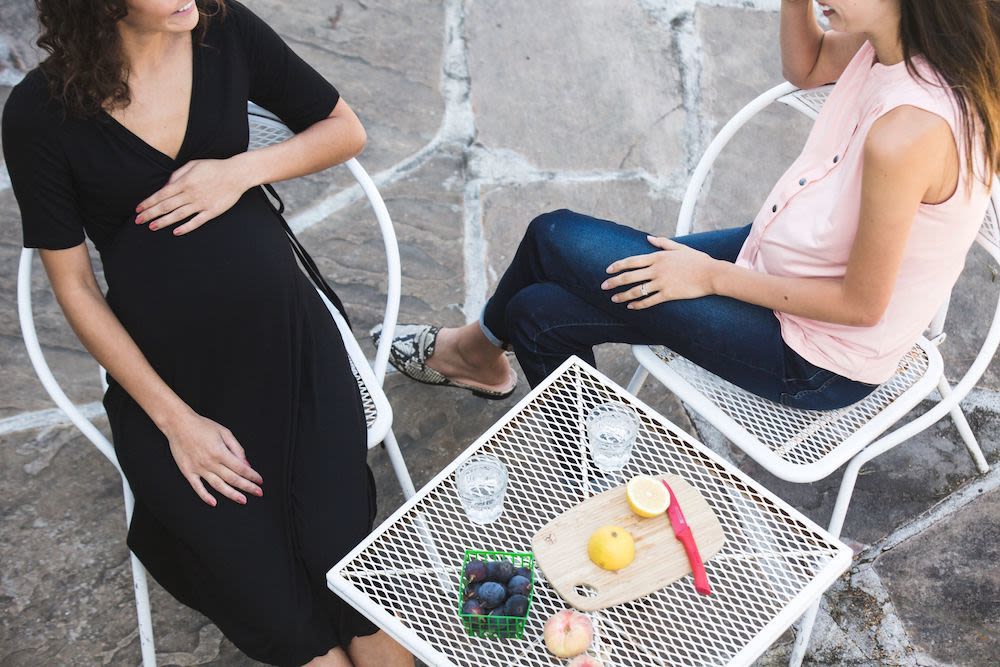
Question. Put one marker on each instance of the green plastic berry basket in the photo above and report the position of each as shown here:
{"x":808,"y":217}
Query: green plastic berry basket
{"x":500,"y":627}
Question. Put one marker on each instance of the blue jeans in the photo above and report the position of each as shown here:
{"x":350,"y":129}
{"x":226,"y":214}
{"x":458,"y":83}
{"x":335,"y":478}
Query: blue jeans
{"x":549,"y":305}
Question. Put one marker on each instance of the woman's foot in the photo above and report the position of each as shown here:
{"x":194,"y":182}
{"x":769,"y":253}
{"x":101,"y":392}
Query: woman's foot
{"x":466,"y":356}
{"x":461,"y":357}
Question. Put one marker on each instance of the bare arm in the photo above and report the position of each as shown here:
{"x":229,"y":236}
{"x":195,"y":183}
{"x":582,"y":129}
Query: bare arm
{"x":202,"y":449}
{"x":335,"y":139}
{"x":207,"y":188}
{"x":897,"y":177}
{"x":811,"y":57}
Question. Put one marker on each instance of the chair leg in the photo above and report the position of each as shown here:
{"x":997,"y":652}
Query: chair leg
{"x":141,"y":590}
{"x":638,"y":379}
{"x":964,"y":430}
{"x":846,"y":492}
{"x":139,"y":586}
{"x":836,"y":525}
{"x":398,"y":465}
{"x":804,"y":633}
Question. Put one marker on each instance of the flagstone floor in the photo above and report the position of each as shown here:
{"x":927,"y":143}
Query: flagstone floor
{"x":480,"y":115}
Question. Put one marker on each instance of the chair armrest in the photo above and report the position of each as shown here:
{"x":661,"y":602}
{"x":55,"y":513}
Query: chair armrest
{"x":41,"y":366}
{"x":393,"y":267}
{"x":685,"y":219}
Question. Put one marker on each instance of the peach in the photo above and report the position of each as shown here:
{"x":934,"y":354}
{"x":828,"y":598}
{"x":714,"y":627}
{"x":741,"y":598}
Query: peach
{"x":568,"y":633}
{"x":585,"y":661}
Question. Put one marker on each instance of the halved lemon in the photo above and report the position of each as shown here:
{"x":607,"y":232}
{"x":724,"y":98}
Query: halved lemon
{"x":647,"y":496}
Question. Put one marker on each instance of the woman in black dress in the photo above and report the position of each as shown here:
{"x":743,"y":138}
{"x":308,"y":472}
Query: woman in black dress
{"x":232,"y":405}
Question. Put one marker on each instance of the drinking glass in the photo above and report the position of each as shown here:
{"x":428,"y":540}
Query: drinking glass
{"x":481,"y":482}
{"x":611,"y":431}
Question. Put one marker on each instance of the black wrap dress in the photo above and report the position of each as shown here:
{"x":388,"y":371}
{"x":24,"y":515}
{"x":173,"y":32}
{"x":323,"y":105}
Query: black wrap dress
{"x":229,"y":321}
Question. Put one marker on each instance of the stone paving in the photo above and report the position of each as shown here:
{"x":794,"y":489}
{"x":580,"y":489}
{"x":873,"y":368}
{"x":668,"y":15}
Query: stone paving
{"x":480,"y":115}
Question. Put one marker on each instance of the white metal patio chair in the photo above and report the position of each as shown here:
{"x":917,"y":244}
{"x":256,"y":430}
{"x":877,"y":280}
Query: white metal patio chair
{"x":265,"y":129}
{"x":806,"y":445}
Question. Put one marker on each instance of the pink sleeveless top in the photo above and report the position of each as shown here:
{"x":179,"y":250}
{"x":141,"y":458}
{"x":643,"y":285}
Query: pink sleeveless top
{"x":808,"y":223}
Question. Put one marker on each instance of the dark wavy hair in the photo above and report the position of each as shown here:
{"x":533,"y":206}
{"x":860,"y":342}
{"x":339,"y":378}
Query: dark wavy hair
{"x":86,"y":68}
{"x":961,"y":40}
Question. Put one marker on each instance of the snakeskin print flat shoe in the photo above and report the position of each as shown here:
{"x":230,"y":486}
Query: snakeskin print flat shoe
{"x":413,"y":345}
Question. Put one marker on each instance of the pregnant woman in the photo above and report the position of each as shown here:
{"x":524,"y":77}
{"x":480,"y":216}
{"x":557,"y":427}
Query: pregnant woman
{"x":845,"y":265}
{"x":232,"y":404}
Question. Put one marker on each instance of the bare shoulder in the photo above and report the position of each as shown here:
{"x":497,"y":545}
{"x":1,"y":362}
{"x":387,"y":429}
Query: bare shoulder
{"x":906,"y":132}
{"x":913,"y":150}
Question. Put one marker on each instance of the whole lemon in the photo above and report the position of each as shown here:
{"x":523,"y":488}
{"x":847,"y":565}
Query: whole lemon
{"x":611,"y":548}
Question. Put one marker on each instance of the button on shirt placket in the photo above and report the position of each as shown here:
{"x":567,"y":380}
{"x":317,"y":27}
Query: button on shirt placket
{"x":782,"y":200}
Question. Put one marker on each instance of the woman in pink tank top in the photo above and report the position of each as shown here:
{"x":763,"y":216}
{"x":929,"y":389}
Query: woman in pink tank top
{"x":850,"y":256}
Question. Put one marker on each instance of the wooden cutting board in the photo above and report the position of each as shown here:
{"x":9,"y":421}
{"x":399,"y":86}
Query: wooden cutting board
{"x":561,"y":547}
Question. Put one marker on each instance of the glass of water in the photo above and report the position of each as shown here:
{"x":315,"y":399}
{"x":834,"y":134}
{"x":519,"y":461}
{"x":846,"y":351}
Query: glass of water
{"x":481,"y":482}
{"x":611,"y":431}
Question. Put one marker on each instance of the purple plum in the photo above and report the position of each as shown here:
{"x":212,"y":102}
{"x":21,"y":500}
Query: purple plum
{"x":496,"y":622}
{"x":518,"y":585}
{"x":474,"y":608}
{"x":475,"y":570}
{"x":499,"y":571}
{"x":491,"y":594}
{"x":516,"y":605}
{"x":470,"y":591}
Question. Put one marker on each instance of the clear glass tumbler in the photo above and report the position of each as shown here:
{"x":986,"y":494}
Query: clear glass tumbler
{"x":611,"y":432}
{"x":481,"y":482}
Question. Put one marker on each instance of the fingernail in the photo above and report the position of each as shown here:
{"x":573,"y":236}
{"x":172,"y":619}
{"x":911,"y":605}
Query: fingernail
{"x":630,"y":307}
{"x":604,"y":285}
{"x":138,"y":209}
{"x":153,"y":228}
{"x":615,"y":298}
{"x":608,"y":270}
{"x":214,"y":502}
{"x":243,"y":501}
{"x":260,"y":493}
{"x":138,"y":219}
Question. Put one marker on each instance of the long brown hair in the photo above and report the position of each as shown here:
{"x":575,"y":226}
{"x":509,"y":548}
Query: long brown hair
{"x":86,"y":68}
{"x":961,"y":40}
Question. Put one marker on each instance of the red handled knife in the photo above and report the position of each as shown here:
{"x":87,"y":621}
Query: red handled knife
{"x":682,"y":531}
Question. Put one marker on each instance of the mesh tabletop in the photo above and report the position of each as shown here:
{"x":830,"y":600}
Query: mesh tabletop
{"x":774,"y":562}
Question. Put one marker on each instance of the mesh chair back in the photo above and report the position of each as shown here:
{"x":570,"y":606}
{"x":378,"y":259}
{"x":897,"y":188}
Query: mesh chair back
{"x":989,"y":233}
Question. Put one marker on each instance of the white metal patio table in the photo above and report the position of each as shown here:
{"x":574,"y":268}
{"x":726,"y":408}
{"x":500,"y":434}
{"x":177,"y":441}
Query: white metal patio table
{"x":774,"y":563}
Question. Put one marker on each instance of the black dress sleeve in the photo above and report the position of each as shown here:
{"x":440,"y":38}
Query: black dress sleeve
{"x":280,"y":81}
{"x":40,"y":174}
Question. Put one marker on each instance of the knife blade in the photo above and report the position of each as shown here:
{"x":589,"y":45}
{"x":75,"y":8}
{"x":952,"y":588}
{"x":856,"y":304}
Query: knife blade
{"x":682,"y":531}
